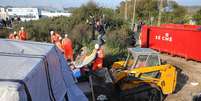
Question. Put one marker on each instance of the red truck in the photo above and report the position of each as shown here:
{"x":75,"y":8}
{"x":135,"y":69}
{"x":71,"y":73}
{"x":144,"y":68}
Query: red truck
{"x":176,"y":39}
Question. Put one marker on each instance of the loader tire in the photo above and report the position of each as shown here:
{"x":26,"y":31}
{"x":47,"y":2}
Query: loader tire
{"x":155,"y":95}
{"x":104,"y":90}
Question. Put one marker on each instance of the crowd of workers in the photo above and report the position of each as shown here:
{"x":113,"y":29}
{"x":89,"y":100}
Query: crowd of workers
{"x":8,"y":22}
{"x":21,"y":35}
{"x":65,"y":45}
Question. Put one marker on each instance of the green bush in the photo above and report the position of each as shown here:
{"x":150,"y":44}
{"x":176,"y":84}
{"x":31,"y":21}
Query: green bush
{"x":197,"y":17}
{"x":80,"y":32}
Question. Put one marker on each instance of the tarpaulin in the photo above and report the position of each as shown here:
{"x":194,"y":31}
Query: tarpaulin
{"x":33,"y":71}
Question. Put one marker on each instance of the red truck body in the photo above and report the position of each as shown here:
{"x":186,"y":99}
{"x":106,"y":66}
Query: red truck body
{"x":176,"y":39}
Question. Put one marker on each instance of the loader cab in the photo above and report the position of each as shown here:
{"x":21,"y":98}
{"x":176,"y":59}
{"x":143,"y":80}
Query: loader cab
{"x":144,"y":57}
{"x":139,"y":57}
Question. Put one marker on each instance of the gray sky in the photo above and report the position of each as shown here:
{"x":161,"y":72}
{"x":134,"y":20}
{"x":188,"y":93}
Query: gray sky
{"x":77,"y":3}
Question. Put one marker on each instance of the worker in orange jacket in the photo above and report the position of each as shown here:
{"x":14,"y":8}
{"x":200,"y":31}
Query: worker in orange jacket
{"x":67,"y":47}
{"x":13,"y":36}
{"x":59,"y":44}
{"x":22,"y":34}
{"x":54,"y":36}
{"x":98,"y":62}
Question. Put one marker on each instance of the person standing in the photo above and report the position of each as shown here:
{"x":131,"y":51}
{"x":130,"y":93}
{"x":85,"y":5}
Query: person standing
{"x":68,"y":48}
{"x":59,"y":44}
{"x":92,"y":22}
{"x":22,"y":34}
{"x":13,"y":36}
{"x":98,"y":62}
{"x":101,"y":30}
{"x":54,"y":36}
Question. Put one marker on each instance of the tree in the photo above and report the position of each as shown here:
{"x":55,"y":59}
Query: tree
{"x":197,"y":17}
{"x":147,"y":9}
{"x":176,"y":13}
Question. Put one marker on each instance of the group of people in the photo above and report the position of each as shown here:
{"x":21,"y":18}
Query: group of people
{"x":63,"y":44}
{"x":8,"y":22}
{"x":21,"y":35}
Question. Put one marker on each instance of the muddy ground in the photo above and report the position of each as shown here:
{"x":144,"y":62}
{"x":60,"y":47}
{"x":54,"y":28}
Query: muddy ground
{"x":190,"y":72}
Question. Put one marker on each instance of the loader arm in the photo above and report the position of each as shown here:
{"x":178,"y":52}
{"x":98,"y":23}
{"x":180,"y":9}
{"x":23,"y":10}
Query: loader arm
{"x":142,"y":70}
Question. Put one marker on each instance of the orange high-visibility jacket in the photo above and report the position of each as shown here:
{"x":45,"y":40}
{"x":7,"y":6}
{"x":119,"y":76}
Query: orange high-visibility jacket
{"x":59,"y":45}
{"x":11,"y":36}
{"x":98,"y":62}
{"x":68,"y":48}
{"x":55,"y":38}
{"x":22,"y":35}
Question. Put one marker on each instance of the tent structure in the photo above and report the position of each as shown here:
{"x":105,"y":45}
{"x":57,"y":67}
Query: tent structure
{"x":33,"y":71}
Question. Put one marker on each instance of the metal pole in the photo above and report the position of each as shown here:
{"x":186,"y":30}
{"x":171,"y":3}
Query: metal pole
{"x":160,"y":12}
{"x":126,"y":10}
{"x":92,"y":89}
{"x":134,"y":6}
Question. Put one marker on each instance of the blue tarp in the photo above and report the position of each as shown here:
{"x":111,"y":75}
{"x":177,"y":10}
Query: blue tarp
{"x":36,"y":71}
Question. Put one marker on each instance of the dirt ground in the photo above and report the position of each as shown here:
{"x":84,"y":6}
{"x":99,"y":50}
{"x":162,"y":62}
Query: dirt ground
{"x":189,"y":72}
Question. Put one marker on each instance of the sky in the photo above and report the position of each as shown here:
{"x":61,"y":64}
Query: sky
{"x":77,"y":3}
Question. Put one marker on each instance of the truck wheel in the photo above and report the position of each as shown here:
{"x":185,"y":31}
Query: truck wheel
{"x":155,"y":95}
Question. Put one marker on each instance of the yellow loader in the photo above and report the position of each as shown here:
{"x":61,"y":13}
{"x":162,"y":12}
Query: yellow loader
{"x":142,"y":72}
{"x":140,"y":77}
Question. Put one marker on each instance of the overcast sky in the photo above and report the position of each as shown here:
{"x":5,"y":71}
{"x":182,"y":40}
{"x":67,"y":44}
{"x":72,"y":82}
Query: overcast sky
{"x":77,"y":3}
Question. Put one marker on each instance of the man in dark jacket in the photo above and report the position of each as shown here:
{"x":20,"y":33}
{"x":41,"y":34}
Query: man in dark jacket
{"x":101,"y":30}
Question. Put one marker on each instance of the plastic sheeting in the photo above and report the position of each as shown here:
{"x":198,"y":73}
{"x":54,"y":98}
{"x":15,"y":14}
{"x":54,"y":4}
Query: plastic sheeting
{"x":36,"y":71}
{"x":86,"y":61}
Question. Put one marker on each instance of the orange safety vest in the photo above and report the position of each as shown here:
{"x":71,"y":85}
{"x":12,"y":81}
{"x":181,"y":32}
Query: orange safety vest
{"x":59,"y":45}
{"x":11,"y":36}
{"x":98,"y":62}
{"x":55,"y":38}
{"x":67,"y":47}
{"x":23,"y":35}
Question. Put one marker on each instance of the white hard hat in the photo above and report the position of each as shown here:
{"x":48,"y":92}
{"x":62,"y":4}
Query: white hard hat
{"x":66,"y":35}
{"x":51,"y":32}
{"x":97,"y":46}
{"x":15,"y":33}
{"x":22,"y":28}
{"x":60,"y":38}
